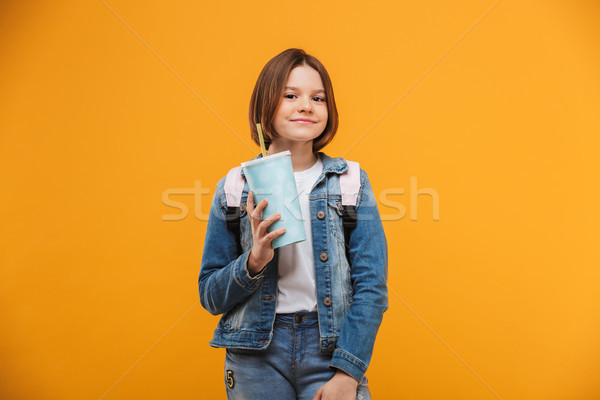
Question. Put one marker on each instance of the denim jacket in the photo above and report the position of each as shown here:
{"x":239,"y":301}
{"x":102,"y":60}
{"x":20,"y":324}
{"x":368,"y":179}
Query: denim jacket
{"x":351,"y":291}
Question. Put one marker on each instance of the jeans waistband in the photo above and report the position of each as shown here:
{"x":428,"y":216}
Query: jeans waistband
{"x":298,"y":318}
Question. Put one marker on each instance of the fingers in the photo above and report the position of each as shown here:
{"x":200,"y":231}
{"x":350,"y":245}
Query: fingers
{"x":250,"y":203}
{"x":274,"y":234}
{"x":259,"y":226}
{"x":262,"y":227}
{"x":255,"y":213}
{"x":251,"y":210}
{"x":318,"y":394}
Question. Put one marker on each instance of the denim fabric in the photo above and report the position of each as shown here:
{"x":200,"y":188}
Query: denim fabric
{"x":351,"y":291}
{"x":292,"y":367}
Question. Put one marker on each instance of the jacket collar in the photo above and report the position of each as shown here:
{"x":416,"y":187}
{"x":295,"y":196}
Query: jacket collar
{"x":337,"y":165}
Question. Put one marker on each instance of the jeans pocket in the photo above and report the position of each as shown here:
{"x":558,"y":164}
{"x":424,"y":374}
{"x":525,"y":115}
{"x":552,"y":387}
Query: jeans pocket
{"x":234,"y":354}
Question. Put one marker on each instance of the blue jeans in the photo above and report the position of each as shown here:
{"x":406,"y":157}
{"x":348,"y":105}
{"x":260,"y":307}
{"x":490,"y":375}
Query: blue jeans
{"x":290,"y":368}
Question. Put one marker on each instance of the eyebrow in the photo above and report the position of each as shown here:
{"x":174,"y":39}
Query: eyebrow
{"x":295,"y":88}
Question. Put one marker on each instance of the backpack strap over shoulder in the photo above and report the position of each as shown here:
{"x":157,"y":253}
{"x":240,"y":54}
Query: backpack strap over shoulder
{"x":349,"y":188}
{"x":350,"y":184}
{"x":233,"y":188}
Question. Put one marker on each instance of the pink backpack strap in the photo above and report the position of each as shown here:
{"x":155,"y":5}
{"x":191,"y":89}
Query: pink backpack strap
{"x":350,"y":184}
{"x":234,"y":186}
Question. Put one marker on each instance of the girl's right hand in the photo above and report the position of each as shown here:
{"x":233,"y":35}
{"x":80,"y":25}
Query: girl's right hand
{"x":261,"y":252}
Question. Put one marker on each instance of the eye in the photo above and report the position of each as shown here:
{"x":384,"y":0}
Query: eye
{"x":319,"y":98}
{"x":289,"y":95}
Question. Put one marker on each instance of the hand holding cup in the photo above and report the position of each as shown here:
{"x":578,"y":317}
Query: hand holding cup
{"x":261,"y":252}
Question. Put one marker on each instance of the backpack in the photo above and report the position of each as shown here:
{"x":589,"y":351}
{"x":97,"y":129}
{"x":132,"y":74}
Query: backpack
{"x":349,"y":188}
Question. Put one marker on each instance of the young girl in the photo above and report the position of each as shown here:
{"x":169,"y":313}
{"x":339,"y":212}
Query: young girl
{"x":299,"y":321}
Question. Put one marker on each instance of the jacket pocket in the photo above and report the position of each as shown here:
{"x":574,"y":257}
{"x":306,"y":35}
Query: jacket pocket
{"x":231,"y":320}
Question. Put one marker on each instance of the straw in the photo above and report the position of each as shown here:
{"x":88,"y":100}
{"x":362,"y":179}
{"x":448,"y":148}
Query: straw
{"x":262,"y":141}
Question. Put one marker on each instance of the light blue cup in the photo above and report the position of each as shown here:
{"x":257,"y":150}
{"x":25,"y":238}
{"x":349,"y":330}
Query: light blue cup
{"x":272,"y":178}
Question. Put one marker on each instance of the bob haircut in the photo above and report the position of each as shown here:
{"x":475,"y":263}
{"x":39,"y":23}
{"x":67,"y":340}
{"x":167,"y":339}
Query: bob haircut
{"x":269,"y":89}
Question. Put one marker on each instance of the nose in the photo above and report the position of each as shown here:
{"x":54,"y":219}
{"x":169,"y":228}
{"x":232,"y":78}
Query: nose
{"x":304,"y":104}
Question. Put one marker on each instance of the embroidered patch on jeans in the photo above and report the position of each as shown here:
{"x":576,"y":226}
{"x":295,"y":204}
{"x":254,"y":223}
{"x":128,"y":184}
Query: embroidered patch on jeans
{"x":230,"y":378}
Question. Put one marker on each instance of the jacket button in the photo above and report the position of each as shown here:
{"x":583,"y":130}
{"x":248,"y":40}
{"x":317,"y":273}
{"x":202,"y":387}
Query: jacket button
{"x":327,"y":301}
{"x":323,"y":256}
{"x":331,"y":347}
{"x":321,"y":214}
{"x":243,"y":206}
{"x":298,"y":319}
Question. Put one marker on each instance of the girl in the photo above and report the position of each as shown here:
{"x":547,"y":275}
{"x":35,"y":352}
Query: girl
{"x":299,"y":321}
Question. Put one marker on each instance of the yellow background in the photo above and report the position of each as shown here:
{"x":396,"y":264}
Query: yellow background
{"x":106,"y":106}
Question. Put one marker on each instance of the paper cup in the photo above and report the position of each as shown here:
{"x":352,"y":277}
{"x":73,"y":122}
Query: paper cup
{"x":272,"y":178}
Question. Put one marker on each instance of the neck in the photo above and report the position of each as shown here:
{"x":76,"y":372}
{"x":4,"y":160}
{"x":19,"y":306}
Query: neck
{"x":302,"y":155}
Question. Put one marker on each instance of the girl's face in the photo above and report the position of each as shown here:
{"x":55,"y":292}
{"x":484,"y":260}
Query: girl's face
{"x":301,"y":114}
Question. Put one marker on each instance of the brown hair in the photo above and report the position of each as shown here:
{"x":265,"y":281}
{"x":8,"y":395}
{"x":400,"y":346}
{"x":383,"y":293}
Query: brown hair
{"x":269,"y":89}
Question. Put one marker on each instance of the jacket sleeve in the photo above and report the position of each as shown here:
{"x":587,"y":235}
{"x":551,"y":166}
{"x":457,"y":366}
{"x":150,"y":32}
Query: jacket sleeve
{"x":369,"y":271}
{"x":224,"y":280}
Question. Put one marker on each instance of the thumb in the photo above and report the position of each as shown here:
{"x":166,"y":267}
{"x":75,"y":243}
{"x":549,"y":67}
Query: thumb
{"x":319,"y":394}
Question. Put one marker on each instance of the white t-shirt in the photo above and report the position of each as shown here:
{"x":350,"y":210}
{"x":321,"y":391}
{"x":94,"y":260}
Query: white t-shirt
{"x":296,"y":289}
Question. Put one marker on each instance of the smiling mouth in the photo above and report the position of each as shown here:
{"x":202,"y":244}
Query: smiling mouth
{"x":303,"y":122}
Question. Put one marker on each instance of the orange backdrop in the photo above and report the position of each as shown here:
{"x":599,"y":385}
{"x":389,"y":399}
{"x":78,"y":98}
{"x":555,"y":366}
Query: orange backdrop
{"x":111,"y":111}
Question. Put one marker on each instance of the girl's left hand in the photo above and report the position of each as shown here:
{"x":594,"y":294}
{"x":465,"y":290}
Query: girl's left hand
{"x":341,"y":387}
